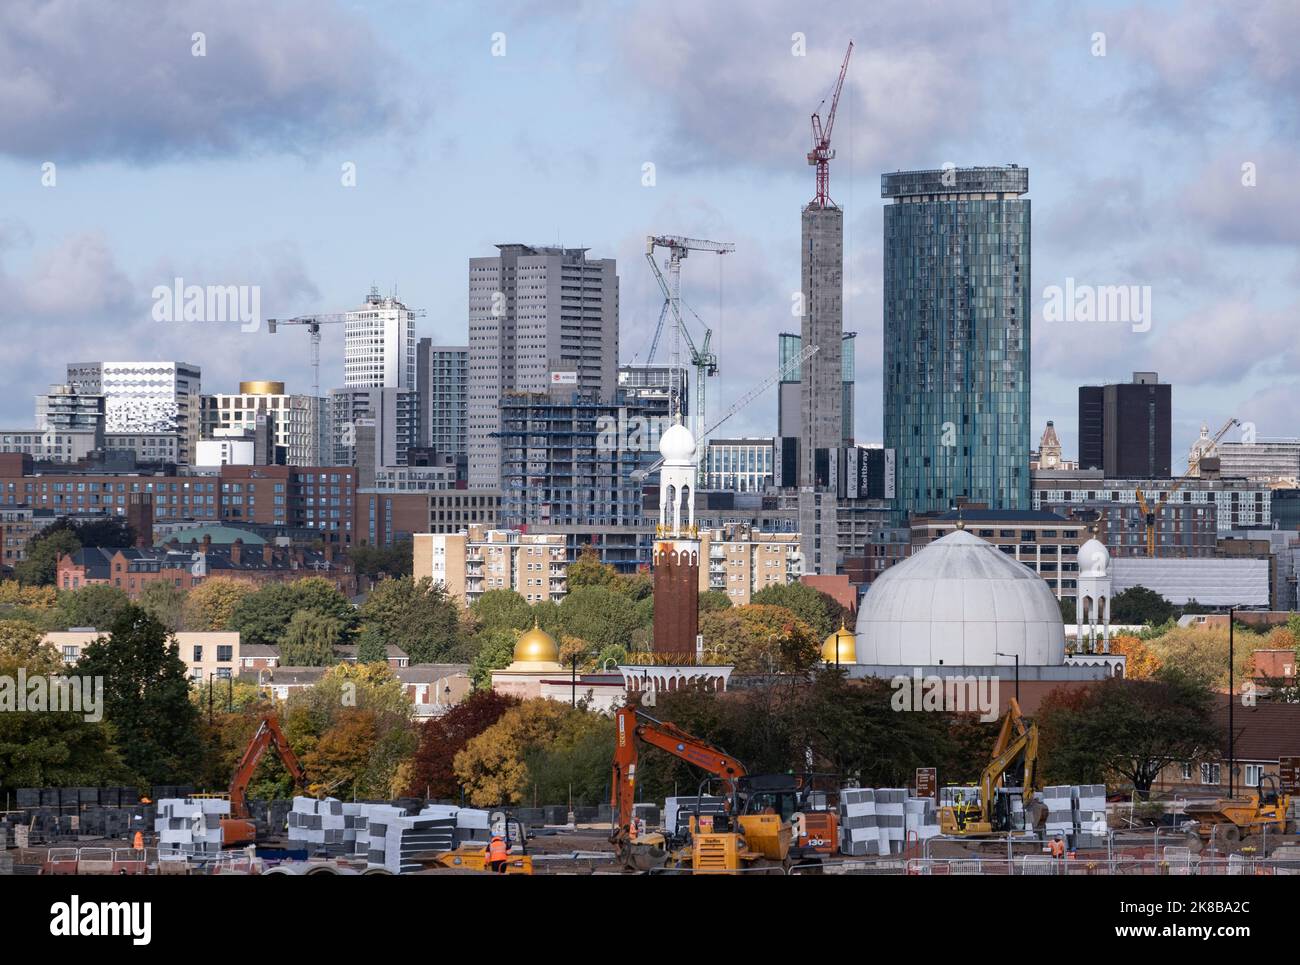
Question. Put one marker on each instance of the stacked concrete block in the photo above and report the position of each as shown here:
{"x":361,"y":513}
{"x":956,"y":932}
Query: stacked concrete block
{"x":890,"y":803}
{"x":920,"y":818}
{"x":408,"y":837}
{"x":1059,"y":800}
{"x":321,"y":826}
{"x":371,"y":829}
{"x":190,"y":826}
{"x":473,"y":825}
{"x":1091,"y":815}
{"x":859,"y":833}
{"x":678,"y":810}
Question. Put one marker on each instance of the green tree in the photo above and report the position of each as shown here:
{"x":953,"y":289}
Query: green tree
{"x":165,"y":602}
{"x":310,"y":640}
{"x":821,"y":612}
{"x":382,"y":562}
{"x":587,"y":571}
{"x":146,"y":698}
{"x":263,"y":617}
{"x":496,"y":649}
{"x":1069,"y":615}
{"x":714,"y":600}
{"x":502,"y":608}
{"x":371,"y":647}
{"x":417,"y":615}
{"x":1138,"y":604}
{"x":40,"y":568}
{"x":1127,"y":730}
{"x":599,"y":615}
{"x":97,"y":605}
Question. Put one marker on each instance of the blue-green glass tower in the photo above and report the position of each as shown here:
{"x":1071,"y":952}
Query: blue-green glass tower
{"x":957,"y":315}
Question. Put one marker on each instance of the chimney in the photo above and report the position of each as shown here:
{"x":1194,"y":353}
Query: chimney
{"x":297,"y":557}
{"x":329,"y":552}
{"x":207,"y":543}
{"x":237,"y":551}
{"x":268,"y":554}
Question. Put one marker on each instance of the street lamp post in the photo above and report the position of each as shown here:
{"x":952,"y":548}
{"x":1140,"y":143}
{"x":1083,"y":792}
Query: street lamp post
{"x":1232,"y":699}
{"x":1017,"y":658}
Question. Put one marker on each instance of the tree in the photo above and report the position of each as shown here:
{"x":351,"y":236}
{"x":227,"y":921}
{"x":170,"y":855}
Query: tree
{"x":496,"y":649}
{"x":599,"y":615}
{"x":587,"y":571}
{"x":263,"y":617}
{"x":493,"y":766}
{"x":760,"y":638}
{"x":714,"y":600}
{"x":97,"y":605}
{"x":823,"y":613}
{"x":432,"y":773}
{"x":310,"y":640}
{"x":382,"y":562}
{"x":165,"y":602}
{"x":48,"y":748}
{"x":502,"y":608}
{"x":1126,"y":729}
{"x":146,"y":698}
{"x":15,"y":596}
{"x":212,"y":604}
{"x":417,"y":615}
{"x":343,"y":753}
{"x":1069,"y":611}
{"x":311,"y":714}
{"x":1137,"y":604}
{"x":40,"y":568}
{"x":1201,"y":652}
{"x":1142,"y":661}
{"x":371,"y":647}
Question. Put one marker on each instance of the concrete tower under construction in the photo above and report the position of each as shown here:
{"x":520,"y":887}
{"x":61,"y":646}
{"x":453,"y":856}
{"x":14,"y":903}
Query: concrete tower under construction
{"x":821,"y":387}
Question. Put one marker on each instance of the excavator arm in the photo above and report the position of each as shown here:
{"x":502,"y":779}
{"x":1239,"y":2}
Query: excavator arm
{"x":633,"y":725}
{"x":268,"y":734}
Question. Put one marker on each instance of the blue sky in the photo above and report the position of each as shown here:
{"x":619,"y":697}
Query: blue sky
{"x":225,"y":169}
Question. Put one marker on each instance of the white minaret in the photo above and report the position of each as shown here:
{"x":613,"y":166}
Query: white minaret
{"x":1093,"y":595}
{"x":677,"y":482}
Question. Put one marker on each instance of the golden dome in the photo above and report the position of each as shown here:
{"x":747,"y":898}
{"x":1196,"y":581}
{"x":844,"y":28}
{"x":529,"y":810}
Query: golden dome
{"x":537,"y":646}
{"x":847,"y":645}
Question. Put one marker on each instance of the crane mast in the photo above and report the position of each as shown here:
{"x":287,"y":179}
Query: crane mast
{"x":704,"y":361}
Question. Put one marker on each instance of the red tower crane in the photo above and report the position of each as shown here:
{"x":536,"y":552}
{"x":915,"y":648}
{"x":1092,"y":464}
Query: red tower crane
{"x":821,"y":153}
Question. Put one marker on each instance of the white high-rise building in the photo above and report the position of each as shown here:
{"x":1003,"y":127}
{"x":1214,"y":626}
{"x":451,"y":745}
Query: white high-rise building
{"x":538,"y":318}
{"x":379,"y":345}
{"x":299,"y":423}
{"x":145,"y":397}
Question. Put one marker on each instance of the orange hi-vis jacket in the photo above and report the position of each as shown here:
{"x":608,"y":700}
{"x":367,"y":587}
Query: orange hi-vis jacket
{"x":497,"y":850}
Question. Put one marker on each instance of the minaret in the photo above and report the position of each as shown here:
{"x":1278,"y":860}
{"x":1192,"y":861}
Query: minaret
{"x":1093,"y":596}
{"x":676,"y":557}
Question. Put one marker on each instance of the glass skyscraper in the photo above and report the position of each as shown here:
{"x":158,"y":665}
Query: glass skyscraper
{"x":957,"y":315}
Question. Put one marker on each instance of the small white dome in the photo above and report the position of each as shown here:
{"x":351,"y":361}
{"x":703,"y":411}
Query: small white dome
{"x":1094,"y":558}
{"x":677,"y":444}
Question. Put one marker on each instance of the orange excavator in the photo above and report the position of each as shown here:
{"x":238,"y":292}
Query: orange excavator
{"x":239,"y":828}
{"x":716,"y":843}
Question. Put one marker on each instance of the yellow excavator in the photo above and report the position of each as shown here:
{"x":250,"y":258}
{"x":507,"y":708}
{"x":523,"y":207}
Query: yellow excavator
{"x":992,"y":813}
{"x":753,"y":831}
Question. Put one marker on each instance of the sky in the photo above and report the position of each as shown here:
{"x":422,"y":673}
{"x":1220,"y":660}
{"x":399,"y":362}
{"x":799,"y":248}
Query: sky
{"x":1160,"y":138}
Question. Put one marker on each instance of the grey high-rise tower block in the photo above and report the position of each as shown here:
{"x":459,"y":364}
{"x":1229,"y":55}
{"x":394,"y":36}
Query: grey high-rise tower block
{"x":820,"y":391}
{"x":957,"y":317}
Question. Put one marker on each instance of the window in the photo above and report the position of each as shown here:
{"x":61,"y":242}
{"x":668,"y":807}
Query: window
{"x":198,"y":653}
{"x":1187,"y":771}
{"x":225,"y":653}
{"x":1209,"y":773}
{"x":1254,"y":774}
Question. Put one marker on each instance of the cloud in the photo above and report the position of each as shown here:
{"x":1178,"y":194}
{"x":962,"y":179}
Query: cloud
{"x":74,"y":301}
{"x":1262,"y":213}
{"x":84,"y":80}
{"x":731,"y":92}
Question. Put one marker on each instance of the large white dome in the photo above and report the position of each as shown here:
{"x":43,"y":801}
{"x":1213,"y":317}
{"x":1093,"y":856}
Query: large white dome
{"x":959,"y":602}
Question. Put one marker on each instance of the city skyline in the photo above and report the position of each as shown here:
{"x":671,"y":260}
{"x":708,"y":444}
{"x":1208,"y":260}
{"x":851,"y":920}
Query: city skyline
{"x":1138,"y":155}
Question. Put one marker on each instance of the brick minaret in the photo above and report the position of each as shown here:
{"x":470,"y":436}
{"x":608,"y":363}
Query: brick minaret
{"x":677,"y":547}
